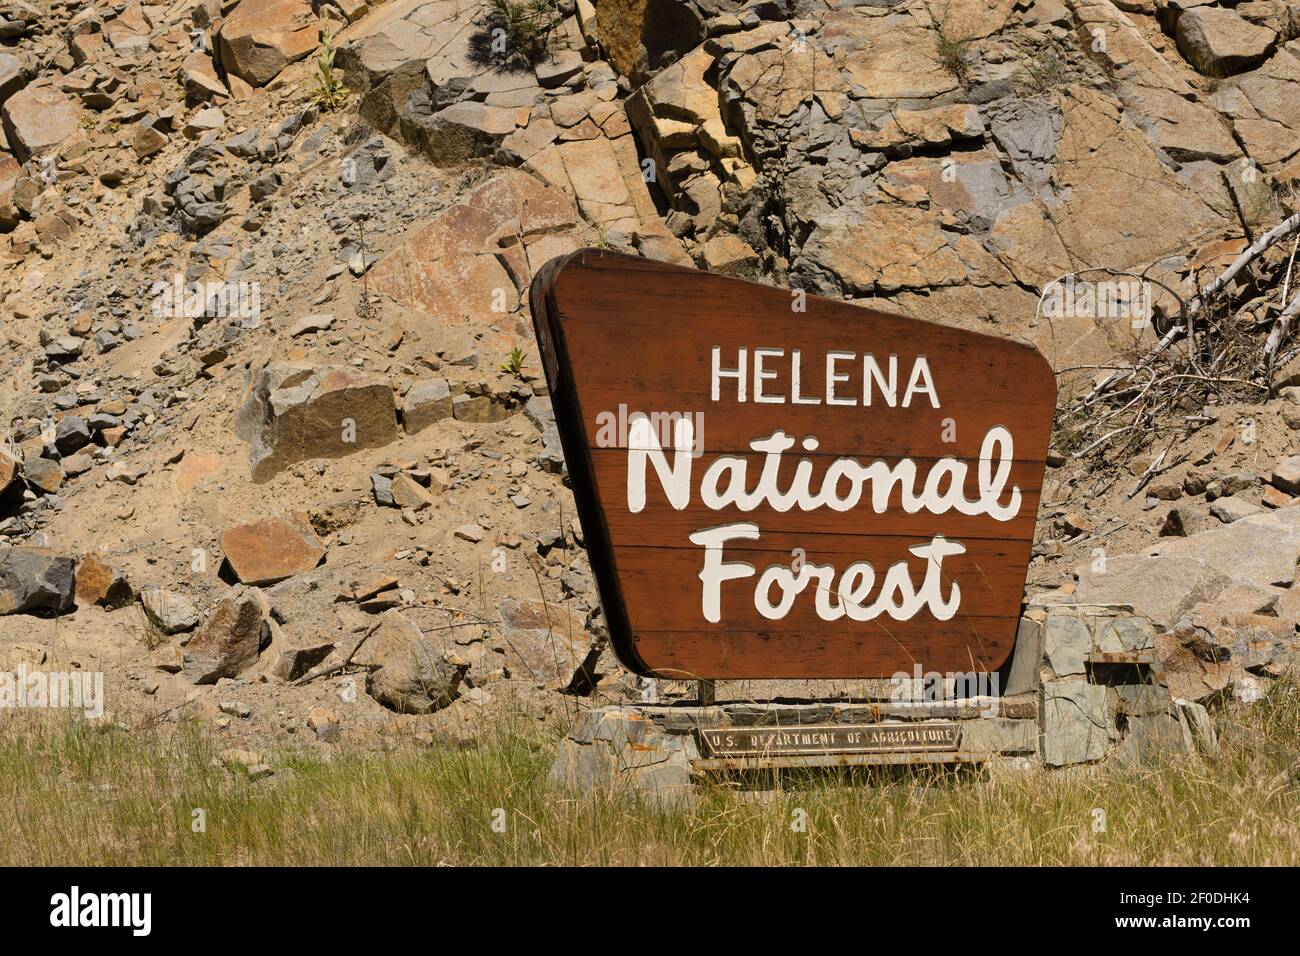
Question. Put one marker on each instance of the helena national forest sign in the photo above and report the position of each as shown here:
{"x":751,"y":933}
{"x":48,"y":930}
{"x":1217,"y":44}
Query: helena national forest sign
{"x":776,"y":485}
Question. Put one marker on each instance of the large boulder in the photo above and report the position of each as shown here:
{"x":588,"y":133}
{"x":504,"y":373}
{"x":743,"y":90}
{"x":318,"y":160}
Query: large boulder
{"x":230,"y":640}
{"x":264,"y":552}
{"x":261,"y":37}
{"x":295,"y":412}
{"x":38,"y":118}
{"x":1219,"y":43}
{"x":13,"y":76}
{"x":455,"y":266}
{"x":410,"y":674}
{"x":34,"y":579}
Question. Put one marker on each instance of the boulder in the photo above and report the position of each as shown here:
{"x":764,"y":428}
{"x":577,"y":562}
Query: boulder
{"x":296,"y":412}
{"x":426,"y":402}
{"x":1220,"y":43}
{"x":296,"y":661}
{"x":230,"y":639}
{"x":168,"y":611}
{"x":548,"y":644}
{"x":38,"y":118}
{"x":12,"y":75}
{"x":453,"y":266}
{"x":411,"y":675}
{"x":261,"y":37}
{"x":263,"y":552}
{"x":34,"y":579}
{"x":1165,"y":582}
{"x":102,"y":584}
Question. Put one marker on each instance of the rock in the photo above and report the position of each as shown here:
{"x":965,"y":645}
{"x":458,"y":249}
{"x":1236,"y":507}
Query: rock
{"x":230,"y":639}
{"x":426,"y":402}
{"x":311,"y":323}
{"x":408,"y":494}
{"x":13,"y":76}
{"x":43,"y":473}
{"x":1286,"y":475}
{"x":200,"y":79}
{"x":471,"y":533}
{"x":10,"y":468}
{"x":1067,"y":642}
{"x":323,"y":722}
{"x":1201,"y":725}
{"x":168,"y":611}
{"x":71,"y":434}
{"x":297,"y":661}
{"x":619,"y":750}
{"x":1219,"y":43}
{"x":261,"y":37}
{"x":1170,"y":578}
{"x":34,"y":579}
{"x":273,"y":549}
{"x":38,"y":118}
{"x":999,"y":735}
{"x":452,"y":267}
{"x":102,"y":584}
{"x":297,"y":412}
{"x":411,"y":675}
{"x":146,"y":141}
{"x":559,"y":68}
{"x":548,"y":644}
{"x":1229,"y":510}
{"x":1074,"y":722}
{"x":459,"y":132}
{"x":204,"y":121}
{"x":725,"y":253}
{"x":1153,"y":738}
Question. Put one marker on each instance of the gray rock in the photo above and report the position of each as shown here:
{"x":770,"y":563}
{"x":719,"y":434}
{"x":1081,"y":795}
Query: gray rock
{"x":1067,"y":641}
{"x":426,"y":402}
{"x":33,"y":579}
{"x":998,"y":735}
{"x":168,"y":611}
{"x":1151,"y":739}
{"x":1075,"y":727}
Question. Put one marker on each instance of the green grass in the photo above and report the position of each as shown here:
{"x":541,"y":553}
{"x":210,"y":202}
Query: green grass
{"x":76,"y":794}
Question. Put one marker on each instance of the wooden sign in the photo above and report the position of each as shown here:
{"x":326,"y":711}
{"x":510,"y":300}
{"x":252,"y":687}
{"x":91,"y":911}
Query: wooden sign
{"x":776,"y":485}
{"x":829,"y":738}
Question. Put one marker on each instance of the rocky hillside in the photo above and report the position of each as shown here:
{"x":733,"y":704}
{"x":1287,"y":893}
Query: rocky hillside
{"x":279,"y":457}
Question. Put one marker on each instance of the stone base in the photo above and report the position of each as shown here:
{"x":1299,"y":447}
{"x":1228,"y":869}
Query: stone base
{"x":1083,"y":684}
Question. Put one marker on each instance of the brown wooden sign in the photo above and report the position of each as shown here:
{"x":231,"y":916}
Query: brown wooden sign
{"x":780,"y":485}
{"x":829,"y":738}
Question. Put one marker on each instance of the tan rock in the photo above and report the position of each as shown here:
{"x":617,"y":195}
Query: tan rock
{"x":273,"y":549}
{"x":412,"y":674}
{"x":295,"y":412}
{"x":261,"y":37}
{"x":38,"y":118}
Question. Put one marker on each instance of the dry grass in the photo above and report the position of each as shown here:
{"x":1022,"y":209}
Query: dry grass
{"x":74,"y":794}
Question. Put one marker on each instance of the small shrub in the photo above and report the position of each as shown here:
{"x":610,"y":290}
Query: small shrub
{"x":329,"y":94}
{"x":519,"y":30}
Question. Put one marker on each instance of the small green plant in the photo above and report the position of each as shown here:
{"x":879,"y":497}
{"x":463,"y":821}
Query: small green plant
{"x":1044,"y":72}
{"x":953,"y":52}
{"x":329,"y":93}
{"x":520,"y":30}
{"x":515,"y":364}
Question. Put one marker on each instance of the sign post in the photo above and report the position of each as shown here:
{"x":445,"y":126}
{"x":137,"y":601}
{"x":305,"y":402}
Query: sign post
{"x":777,"y":485}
